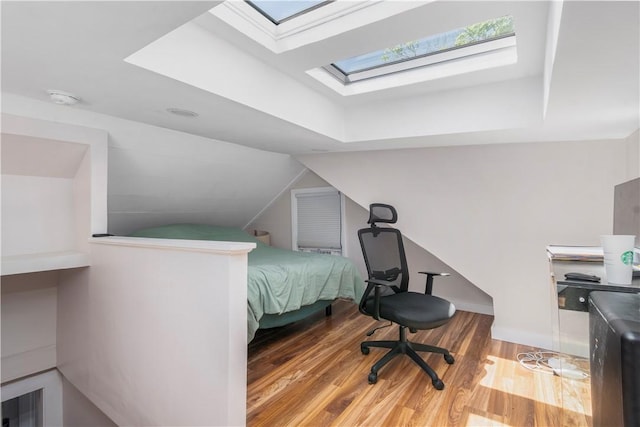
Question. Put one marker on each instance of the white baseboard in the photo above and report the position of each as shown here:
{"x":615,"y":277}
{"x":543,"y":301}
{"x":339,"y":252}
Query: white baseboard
{"x":518,"y":336}
{"x":473,"y":308}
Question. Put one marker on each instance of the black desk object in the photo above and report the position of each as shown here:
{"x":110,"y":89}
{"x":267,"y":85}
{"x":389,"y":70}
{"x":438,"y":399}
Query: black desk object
{"x":574,"y":294}
{"x":614,"y":335}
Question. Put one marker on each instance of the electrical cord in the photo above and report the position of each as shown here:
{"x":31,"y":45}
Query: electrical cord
{"x":550,"y":362}
{"x":371,"y":332}
{"x":537,"y":361}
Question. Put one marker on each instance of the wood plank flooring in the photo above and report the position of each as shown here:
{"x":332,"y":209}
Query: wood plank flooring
{"x":312,"y":373}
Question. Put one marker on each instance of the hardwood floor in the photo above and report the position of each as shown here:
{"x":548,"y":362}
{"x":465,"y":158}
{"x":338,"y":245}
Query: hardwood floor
{"x":312,"y":373}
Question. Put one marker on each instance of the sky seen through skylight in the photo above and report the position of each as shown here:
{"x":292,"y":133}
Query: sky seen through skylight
{"x":279,"y":11}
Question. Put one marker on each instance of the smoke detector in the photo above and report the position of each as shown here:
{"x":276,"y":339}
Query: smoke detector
{"x":62,"y":98}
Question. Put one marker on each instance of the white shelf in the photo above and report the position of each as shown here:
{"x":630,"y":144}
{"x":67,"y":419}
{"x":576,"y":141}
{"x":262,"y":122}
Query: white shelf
{"x":54,"y":193}
{"x":18,"y":264}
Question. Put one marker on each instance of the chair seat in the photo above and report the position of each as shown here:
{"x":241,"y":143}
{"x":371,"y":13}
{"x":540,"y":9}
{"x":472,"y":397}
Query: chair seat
{"x":414,"y":310}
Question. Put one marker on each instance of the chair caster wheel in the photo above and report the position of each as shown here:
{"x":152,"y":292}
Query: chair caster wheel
{"x":373,"y":378}
{"x":449,"y":359}
{"x":364,"y":350}
{"x":438,"y":384}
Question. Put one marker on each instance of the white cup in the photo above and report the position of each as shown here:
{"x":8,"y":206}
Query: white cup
{"x":618,"y":258}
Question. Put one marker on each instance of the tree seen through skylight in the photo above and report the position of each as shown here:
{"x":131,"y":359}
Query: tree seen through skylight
{"x":475,"y":33}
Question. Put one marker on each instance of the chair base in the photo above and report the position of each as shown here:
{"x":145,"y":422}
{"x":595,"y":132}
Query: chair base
{"x":403,"y":346}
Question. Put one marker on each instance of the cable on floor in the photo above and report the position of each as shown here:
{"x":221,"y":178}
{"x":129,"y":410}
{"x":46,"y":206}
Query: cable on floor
{"x":550,"y":362}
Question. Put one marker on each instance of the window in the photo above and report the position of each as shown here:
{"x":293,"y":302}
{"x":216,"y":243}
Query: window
{"x":33,"y":401}
{"x":459,"y":43}
{"x":281,"y":11}
{"x":316,"y":215}
{"x":23,"y":411}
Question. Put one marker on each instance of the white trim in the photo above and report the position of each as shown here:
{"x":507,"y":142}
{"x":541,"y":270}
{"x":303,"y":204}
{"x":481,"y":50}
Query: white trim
{"x":553,"y":32}
{"x":343,"y":216}
{"x":30,"y":263}
{"x":482,"y":61}
{"x":50,"y":383}
{"x":318,"y":17}
{"x":209,"y":246}
{"x":290,"y":28}
{"x":313,"y":26}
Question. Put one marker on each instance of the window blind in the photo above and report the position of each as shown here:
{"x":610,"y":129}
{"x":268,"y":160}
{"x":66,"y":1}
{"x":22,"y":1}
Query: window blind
{"x":319,"y":220}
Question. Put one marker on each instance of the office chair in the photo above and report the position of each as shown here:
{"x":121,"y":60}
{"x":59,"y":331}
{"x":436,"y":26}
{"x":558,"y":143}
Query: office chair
{"x":387,"y":295}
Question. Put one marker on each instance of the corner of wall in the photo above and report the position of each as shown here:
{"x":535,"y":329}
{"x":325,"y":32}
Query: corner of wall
{"x":276,"y":216}
{"x":633,"y":147}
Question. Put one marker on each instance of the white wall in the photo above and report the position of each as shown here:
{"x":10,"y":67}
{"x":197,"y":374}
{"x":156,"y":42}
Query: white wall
{"x":78,"y":411}
{"x":490,"y":211}
{"x":29,"y":328}
{"x":277,"y":220}
{"x":440,"y":113}
{"x":154,"y":332}
{"x":54,"y":191}
{"x":159,"y":176}
{"x":29,"y":316}
{"x":456,"y":288}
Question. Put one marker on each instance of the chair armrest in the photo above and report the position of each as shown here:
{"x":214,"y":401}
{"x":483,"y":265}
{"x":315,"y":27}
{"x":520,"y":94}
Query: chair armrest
{"x":374,"y":284}
{"x":429,"y":285}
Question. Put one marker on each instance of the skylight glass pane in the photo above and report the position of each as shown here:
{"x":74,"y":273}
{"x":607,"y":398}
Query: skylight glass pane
{"x":454,"y":39}
{"x":279,"y":11}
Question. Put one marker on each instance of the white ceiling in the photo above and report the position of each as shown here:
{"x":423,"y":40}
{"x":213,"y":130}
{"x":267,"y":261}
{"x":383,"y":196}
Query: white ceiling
{"x":248,"y":95}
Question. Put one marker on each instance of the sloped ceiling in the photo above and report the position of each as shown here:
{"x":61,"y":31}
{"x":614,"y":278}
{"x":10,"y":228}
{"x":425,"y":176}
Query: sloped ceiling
{"x":181,"y":55}
{"x":577,"y":78}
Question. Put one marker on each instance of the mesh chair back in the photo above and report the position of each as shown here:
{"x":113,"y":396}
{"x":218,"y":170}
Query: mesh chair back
{"x":384,"y":255}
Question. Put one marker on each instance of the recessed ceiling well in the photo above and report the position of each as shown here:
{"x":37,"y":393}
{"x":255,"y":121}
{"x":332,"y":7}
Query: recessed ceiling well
{"x":573,"y":73}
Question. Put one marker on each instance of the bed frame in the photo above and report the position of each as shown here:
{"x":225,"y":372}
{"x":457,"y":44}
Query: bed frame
{"x":277,"y":320}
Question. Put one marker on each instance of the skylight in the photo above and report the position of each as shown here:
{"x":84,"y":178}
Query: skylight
{"x":455,"y":44}
{"x":281,"y":11}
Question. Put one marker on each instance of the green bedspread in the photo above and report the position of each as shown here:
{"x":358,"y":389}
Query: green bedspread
{"x":279,"y":280}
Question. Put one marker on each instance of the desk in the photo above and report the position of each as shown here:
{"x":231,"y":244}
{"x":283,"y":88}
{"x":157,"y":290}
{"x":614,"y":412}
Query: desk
{"x":570,"y":322}
{"x":574,"y":295}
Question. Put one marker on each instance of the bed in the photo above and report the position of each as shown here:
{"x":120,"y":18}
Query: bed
{"x":283,"y":286}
